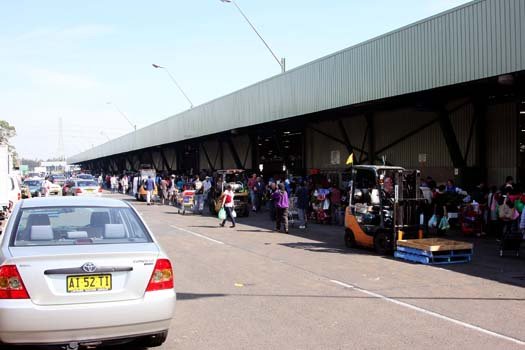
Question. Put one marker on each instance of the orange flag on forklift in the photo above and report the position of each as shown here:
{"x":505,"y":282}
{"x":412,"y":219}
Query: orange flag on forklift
{"x":350,"y":159}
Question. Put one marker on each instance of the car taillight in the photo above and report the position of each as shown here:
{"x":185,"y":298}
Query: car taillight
{"x":19,"y":195}
{"x":162,"y":276}
{"x":11,"y":285}
{"x":100,"y":189}
{"x":78,"y":190}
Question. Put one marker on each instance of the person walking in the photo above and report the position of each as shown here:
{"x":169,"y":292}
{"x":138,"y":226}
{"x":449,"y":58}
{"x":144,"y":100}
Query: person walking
{"x":164,"y":190}
{"x":280,"y":198}
{"x":114,"y":183}
{"x":46,"y":187}
{"x":124,"y":184}
{"x":199,"y":194}
{"x":252,"y":182}
{"x":227,"y":204}
{"x":150,"y":186}
{"x":303,"y":201}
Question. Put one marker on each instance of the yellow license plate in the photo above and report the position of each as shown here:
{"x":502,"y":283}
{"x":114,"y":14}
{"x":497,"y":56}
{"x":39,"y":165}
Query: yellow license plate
{"x":88,"y":283}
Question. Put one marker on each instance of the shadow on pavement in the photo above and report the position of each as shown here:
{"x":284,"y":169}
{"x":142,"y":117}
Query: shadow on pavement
{"x":192,"y":296}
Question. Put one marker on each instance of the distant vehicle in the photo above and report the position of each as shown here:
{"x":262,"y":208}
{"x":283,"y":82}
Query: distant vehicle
{"x":83,"y":272}
{"x":80,"y":187}
{"x":35,"y":187}
{"x":55,"y":189}
{"x":26,"y":192}
{"x":85,"y":177}
{"x":58,"y":179}
{"x":34,"y":176}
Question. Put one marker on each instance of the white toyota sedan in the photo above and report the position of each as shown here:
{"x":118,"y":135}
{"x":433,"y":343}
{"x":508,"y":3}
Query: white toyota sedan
{"x":81,"y":272}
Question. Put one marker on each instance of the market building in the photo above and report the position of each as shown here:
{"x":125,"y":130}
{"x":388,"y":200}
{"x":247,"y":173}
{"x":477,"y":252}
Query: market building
{"x":445,"y":94}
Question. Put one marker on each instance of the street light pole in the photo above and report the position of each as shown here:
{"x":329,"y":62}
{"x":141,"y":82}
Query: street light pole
{"x":281,"y":62}
{"x":174,"y":81}
{"x":134,"y":126}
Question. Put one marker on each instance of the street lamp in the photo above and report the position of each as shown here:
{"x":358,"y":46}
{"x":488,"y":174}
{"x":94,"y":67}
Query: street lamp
{"x":124,"y":115}
{"x":282,"y":61}
{"x":174,"y":81}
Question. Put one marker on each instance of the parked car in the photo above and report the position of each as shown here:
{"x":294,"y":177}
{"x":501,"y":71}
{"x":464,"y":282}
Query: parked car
{"x":80,"y":187}
{"x":82,"y":272}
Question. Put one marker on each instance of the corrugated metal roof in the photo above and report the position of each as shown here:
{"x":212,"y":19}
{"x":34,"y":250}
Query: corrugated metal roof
{"x":480,"y":39}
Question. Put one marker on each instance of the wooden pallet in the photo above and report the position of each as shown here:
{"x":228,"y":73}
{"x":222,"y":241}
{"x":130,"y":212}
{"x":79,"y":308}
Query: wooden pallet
{"x":434,"y":244}
{"x":434,"y":251}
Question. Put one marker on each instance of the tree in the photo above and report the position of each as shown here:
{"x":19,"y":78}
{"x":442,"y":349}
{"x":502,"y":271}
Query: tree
{"x":7,"y":131}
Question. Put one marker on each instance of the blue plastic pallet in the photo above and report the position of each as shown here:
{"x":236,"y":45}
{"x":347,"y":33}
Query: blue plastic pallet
{"x":433,"y":260}
{"x":435,"y":254}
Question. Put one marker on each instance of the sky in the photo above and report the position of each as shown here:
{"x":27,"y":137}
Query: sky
{"x":89,"y":63}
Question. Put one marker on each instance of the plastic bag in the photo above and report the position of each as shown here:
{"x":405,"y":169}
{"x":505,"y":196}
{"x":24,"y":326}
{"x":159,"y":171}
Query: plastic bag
{"x":433,"y":221}
{"x":443,"y":224}
{"x":222,"y":214}
{"x":234,"y":213}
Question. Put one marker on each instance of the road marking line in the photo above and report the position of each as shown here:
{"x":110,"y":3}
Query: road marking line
{"x":431,"y":313}
{"x":196,"y":234}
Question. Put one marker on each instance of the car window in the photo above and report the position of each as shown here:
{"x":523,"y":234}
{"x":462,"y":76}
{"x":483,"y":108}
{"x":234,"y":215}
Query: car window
{"x":32,"y":183}
{"x":78,"y":225}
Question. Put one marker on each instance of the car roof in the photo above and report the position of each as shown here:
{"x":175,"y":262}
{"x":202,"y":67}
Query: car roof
{"x":72,"y":201}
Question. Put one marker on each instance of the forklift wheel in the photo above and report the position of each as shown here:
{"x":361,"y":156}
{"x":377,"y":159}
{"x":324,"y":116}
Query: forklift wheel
{"x":383,"y":243}
{"x":349,"y":239}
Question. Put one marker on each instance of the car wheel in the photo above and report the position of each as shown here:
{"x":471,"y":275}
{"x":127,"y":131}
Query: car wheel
{"x":154,"y":340}
{"x":350,"y":239}
{"x":383,"y":243}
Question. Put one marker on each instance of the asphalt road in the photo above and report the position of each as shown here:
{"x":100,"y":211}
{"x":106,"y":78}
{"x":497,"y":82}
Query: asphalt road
{"x":250,"y":287}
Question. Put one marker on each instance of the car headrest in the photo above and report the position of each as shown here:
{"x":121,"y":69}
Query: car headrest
{"x":37,"y":219}
{"x":42,"y":233}
{"x":114,"y":231}
{"x":77,"y":234}
{"x":99,"y":219}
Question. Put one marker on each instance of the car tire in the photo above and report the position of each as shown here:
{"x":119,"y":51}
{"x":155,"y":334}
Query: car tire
{"x":154,"y":340}
{"x":383,"y":243}
{"x":350,"y":239}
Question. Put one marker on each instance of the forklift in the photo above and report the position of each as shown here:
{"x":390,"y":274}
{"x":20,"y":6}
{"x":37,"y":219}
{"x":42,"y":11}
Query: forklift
{"x":385,"y":205}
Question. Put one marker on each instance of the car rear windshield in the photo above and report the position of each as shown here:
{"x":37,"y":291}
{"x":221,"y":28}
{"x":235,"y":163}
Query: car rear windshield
{"x":78,"y":225}
{"x":87,"y":184}
{"x":32,"y":183}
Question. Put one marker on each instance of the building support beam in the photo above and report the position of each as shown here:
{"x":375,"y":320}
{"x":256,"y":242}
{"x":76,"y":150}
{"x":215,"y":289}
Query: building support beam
{"x":254,"y":151}
{"x":348,"y":145}
{"x":212,"y":167}
{"x":336,"y":139}
{"x":480,"y":113}
{"x":234,"y":153}
{"x":371,"y":137}
{"x":164,"y":160}
{"x":451,"y":140}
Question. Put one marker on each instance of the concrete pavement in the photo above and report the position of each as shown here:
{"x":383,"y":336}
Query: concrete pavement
{"x":250,"y":287}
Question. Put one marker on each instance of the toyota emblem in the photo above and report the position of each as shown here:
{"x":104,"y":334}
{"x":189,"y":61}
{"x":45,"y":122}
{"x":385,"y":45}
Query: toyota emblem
{"x":89,"y":267}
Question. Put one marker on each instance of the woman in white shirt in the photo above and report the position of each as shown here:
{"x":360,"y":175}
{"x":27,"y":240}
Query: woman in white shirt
{"x":227,"y":204}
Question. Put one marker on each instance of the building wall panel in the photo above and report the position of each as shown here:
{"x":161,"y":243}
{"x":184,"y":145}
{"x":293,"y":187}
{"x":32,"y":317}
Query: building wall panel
{"x":477,"y":40}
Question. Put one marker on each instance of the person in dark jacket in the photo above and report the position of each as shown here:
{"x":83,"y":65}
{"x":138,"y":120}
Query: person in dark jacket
{"x":280,"y":199}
